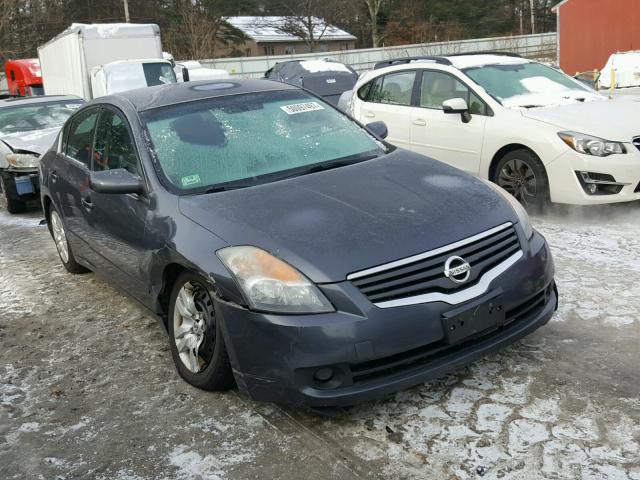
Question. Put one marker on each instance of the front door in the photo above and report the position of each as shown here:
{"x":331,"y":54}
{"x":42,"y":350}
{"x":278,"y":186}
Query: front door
{"x":117,"y":221}
{"x":389,"y":101}
{"x":444,"y":136}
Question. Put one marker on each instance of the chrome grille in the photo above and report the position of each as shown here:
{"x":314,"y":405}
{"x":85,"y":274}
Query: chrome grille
{"x":422,"y":277}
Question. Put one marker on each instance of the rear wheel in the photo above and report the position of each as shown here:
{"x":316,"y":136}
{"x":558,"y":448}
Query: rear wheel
{"x":197,"y":345}
{"x":59,"y":234}
{"x":522,"y":174}
{"x":7,"y":198}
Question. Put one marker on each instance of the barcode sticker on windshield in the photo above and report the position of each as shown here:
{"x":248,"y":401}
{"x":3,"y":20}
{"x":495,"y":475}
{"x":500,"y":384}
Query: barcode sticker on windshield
{"x":301,"y":108}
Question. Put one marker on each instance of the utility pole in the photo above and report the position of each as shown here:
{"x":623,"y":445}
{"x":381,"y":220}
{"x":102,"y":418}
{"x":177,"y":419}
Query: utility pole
{"x":126,"y":11}
{"x":533,"y":16}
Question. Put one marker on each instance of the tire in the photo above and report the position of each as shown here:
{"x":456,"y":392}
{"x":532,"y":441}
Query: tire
{"x":195,"y":335}
{"x":59,"y":235}
{"x":522,"y":174}
{"x":7,"y":199}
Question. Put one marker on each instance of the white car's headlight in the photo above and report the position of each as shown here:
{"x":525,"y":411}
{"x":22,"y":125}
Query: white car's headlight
{"x":591,"y":145}
{"x":523,"y":216}
{"x":22,"y":160}
{"x":271,"y":285}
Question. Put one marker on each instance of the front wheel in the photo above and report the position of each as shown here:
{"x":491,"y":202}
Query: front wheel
{"x":522,"y":174}
{"x":197,"y":345}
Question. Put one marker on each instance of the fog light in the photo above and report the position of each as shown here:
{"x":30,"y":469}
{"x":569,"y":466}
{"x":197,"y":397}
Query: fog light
{"x":324,"y":374}
{"x":599,"y":183}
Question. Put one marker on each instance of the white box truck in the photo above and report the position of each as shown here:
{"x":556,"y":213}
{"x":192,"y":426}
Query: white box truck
{"x":99,"y":59}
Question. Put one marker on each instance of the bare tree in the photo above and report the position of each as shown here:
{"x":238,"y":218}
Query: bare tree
{"x":199,"y":30}
{"x":373,"y":10}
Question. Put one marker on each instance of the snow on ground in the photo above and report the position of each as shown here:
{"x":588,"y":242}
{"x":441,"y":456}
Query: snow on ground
{"x":88,"y":389}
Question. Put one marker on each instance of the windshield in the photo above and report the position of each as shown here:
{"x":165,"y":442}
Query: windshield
{"x":526,"y":84}
{"x":124,"y":76}
{"x":251,"y":138}
{"x":36,"y":116}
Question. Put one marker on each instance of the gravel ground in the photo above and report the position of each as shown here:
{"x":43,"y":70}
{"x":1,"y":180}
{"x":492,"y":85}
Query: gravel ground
{"x":88,"y":389}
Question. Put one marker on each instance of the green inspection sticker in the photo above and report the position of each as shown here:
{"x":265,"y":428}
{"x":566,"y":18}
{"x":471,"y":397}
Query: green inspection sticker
{"x":190,"y":180}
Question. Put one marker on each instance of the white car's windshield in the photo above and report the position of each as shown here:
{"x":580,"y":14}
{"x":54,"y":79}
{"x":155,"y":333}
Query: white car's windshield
{"x":241,"y":140}
{"x":528,"y":84}
{"x":36,"y":116}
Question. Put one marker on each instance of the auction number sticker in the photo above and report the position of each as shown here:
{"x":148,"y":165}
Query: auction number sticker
{"x":301,"y":108}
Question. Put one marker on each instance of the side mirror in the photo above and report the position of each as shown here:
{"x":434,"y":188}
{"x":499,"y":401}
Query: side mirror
{"x":379,"y":129}
{"x":457,"y":105}
{"x":185,"y":74}
{"x":117,"y":181}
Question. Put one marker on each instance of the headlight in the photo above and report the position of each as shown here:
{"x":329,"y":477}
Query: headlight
{"x":591,"y":145}
{"x":269,"y":284}
{"x":523,"y":216}
{"x":22,"y":160}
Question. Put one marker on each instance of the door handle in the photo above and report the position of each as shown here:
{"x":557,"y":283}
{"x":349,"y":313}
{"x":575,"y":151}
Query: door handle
{"x":369,"y":114}
{"x":54,"y":176}
{"x":420,"y":122}
{"x":86,"y":203}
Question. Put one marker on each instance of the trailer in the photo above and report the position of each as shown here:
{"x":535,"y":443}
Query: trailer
{"x":85,"y":57}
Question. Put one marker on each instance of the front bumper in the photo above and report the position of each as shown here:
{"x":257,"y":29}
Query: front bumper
{"x":22,"y":184}
{"x":374,"y":351}
{"x":565,"y":187}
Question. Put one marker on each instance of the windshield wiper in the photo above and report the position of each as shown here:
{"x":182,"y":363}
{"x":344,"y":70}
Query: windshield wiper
{"x":321,"y":167}
{"x":226,"y":188}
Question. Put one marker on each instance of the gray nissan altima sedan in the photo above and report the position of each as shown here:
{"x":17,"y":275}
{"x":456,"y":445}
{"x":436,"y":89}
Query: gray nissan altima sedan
{"x":287,"y":248}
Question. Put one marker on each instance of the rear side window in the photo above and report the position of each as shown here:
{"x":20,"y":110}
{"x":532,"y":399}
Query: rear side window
{"x":394,"y":88}
{"x":438,"y":87}
{"x":80,"y":137}
{"x":114,"y":146}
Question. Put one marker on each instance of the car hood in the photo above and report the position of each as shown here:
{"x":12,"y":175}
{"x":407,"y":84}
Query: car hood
{"x":611,"y":120}
{"x":37,"y":141}
{"x":329,"y":224}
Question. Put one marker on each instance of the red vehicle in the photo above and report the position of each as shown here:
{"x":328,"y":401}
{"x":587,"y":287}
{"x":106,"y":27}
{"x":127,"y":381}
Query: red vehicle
{"x":24,"y":78}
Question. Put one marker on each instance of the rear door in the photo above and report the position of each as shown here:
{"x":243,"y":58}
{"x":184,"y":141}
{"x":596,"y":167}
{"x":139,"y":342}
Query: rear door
{"x":70,"y":179}
{"x":117,"y":221}
{"x":389,"y":99}
{"x":445,"y":136}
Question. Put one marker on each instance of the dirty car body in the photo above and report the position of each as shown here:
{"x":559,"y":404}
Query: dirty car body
{"x":28,"y":127}
{"x":340,"y":268}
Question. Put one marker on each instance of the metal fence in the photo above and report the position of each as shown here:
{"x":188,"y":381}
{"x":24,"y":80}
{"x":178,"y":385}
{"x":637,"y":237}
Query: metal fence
{"x":540,"y":46}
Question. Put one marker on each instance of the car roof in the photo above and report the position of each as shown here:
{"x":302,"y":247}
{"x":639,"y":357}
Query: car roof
{"x":19,"y":101}
{"x":459,"y":61}
{"x":163,"y":95}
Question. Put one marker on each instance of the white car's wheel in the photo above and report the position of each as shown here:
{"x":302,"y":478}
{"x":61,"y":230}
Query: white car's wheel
{"x":522,"y":174}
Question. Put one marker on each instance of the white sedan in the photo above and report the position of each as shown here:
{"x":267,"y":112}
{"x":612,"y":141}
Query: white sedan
{"x":531,"y":129}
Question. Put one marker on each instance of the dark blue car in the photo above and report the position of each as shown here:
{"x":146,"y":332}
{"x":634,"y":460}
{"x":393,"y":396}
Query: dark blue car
{"x":288,"y":249}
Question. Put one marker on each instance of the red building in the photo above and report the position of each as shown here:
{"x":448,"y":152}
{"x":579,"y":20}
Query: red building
{"x":591,"y":30}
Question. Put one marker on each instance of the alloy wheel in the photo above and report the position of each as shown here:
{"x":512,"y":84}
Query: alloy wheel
{"x":194,"y":326}
{"x":518,"y":178}
{"x":59,"y":236}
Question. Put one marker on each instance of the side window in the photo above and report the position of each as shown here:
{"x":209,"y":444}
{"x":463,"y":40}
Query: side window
{"x":437,"y":87}
{"x":363,"y":92}
{"x":80,"y":136}
{"x":394,"y":88}
{"x":114,"y":146}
